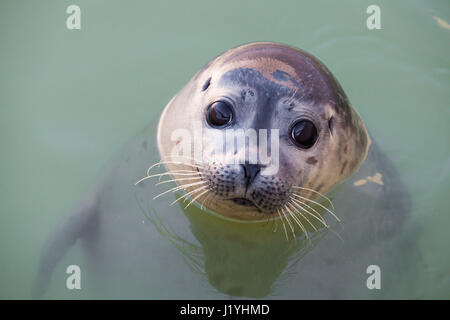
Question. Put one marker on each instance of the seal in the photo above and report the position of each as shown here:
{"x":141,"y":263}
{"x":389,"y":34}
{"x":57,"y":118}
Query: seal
{"x":265,"y":86}
{"x":263,"y":132}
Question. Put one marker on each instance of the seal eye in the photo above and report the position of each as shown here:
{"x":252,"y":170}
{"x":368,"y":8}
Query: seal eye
{"x":304,"y":134}
{"x":219,"y":114}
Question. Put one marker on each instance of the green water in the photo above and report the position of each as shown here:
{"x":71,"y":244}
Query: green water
{"x":69,"y":99}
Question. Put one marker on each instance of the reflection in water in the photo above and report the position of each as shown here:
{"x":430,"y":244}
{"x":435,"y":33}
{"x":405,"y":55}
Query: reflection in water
{"x":238,"y":259}
{"x":256,"y":260}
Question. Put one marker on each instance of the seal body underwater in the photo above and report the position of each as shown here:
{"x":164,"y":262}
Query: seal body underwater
{"x":328,"y":175}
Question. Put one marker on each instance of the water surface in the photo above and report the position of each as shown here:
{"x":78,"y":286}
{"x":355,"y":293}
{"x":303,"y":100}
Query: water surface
{"x":70,"y":99}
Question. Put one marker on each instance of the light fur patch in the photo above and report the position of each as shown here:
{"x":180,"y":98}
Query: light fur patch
{"x":444,"y":24}
{"x":267,"y":66}
{"x":377,"y":178}
{"x":360,"y":182}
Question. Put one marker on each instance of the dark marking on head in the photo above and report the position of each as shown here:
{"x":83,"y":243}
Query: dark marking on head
{"x":311,"y":160}
{"x":343,"y":166}
{"x":280,"y":75}
{"x":316,"y":84}
{"x":206,"y":84}
{"x":330,"y":124}
{"x":251,"y":77}
{"x":346,"y":149}
{"x":268,"y":91}
{"x":284,"y":76}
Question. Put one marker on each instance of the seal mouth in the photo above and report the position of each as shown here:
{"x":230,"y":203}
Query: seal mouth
{"x":243,"y":201}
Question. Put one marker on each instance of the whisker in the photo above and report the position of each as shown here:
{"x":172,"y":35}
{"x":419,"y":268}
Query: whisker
{"x":301,"y":214}
{"x":319,"y":204}
{"x":284,"y":226}
{"x":299,"y":203}
{"x":297,"y":221}
{"x":185,"y":157}
{"x":276,"y":224}
{"x":196,"y":197}
{"x":180,"y":172}
{"x":187,"y":194}
{"x":204,"y":200}
{"x":176,"y":180}
{"x":174,"y":174}
{"x":292,"y":96}
{"x":178,"y":188}
{"x":320,"y":194}
{"x":289,"y":223}
{"x":172,"y":162}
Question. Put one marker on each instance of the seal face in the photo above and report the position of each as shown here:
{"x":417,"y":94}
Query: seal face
{"x":293,"y":99}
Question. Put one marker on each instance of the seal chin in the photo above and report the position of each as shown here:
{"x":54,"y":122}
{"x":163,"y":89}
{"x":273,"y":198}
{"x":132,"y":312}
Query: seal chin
{"x":249,"y":203}
{"x":244,"y":202}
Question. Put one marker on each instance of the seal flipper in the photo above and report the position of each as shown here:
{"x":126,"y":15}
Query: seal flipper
{"x":80,"y":222}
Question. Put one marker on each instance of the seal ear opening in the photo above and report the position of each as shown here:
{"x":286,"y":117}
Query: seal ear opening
{"x":206,"y":84}
{"x":330,"y":124}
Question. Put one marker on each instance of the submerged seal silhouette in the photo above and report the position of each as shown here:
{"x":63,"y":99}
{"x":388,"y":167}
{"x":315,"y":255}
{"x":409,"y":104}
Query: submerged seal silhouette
{"x":322,"y":143}
{"x":322,"y":139}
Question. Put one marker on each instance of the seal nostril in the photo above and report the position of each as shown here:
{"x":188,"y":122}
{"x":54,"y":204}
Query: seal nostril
{"x":250,"y":172}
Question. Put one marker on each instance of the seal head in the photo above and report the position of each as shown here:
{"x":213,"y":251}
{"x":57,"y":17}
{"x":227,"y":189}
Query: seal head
{"x":272,"y":93}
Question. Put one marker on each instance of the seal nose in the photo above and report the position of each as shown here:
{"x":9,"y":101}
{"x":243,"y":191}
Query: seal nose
{"x":250,"y":172}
